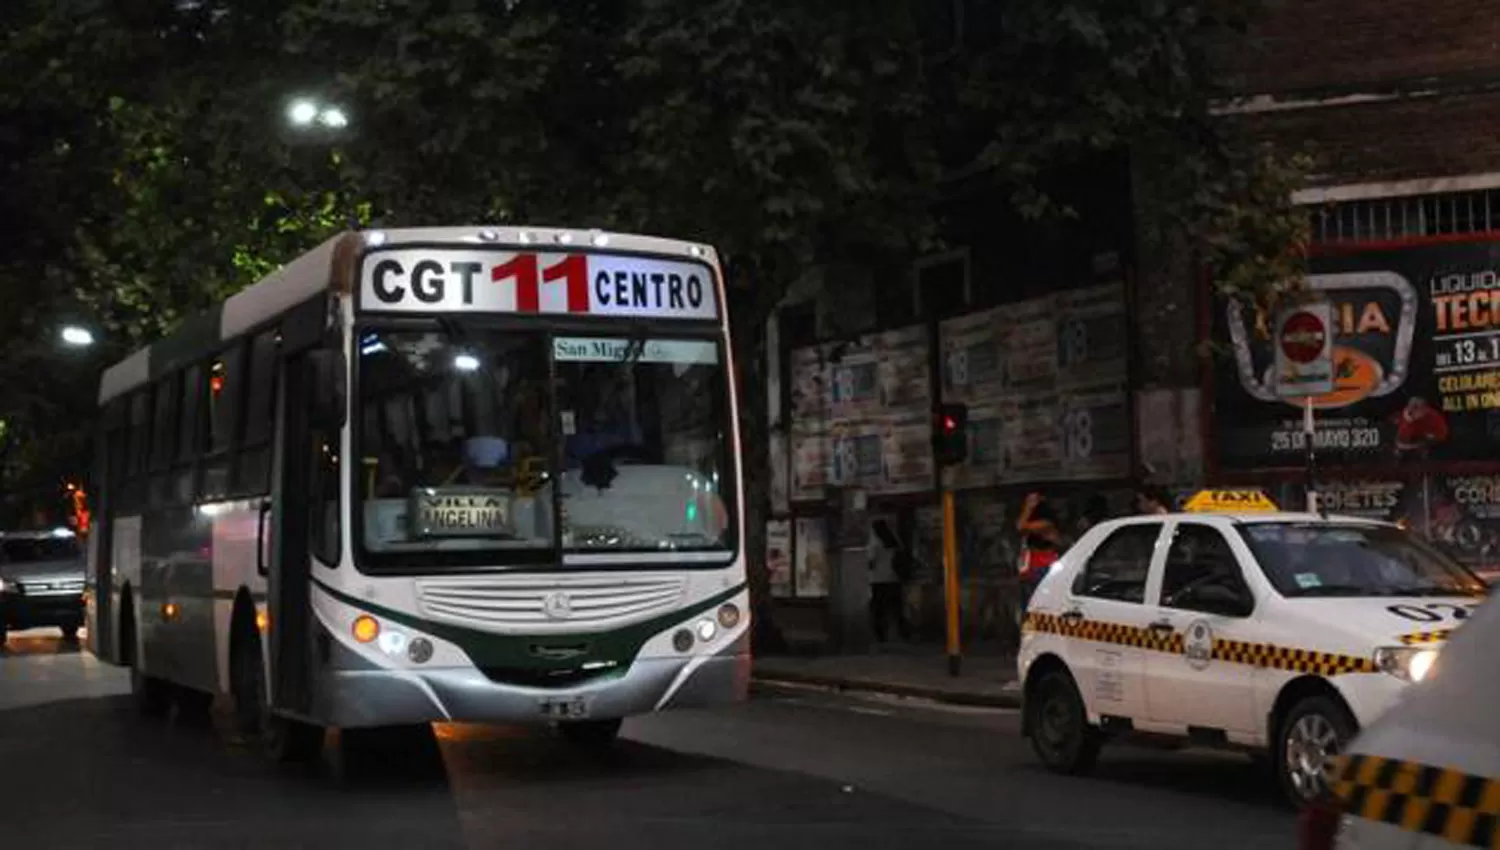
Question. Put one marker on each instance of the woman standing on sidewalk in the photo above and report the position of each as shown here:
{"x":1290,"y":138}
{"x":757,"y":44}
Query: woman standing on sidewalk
{"x":1040,"y":543}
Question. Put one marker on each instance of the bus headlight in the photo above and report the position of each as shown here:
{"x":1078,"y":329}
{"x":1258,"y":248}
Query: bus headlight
{"x":1409,"y":663}
{"x":729,"y":615}
{"x":706,"y":630}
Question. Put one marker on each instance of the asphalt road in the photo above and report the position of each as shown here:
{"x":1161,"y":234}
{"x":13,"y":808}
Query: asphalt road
{"x":788,"y":770}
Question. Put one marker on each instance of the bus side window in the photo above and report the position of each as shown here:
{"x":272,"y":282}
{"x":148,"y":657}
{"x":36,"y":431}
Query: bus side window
{"x":324,"y":530}
{"x":188,"y":431}
{"x":163,"y":436}
{"x":218,"y":423}
{"x":133,"y":495}
{"x":252,"y":475}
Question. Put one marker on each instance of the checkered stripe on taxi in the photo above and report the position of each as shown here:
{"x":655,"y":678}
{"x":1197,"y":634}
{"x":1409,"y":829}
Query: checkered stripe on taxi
{"x":1458,"y":807}
{"x":1100,"y":631}
{"x":1418,"y":638}
{"x":1235,"y":652}
{"x":1290,"y":658}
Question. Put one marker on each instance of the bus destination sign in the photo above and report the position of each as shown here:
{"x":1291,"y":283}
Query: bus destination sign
{"x":460,"y":512}
{"x":433,"y":280}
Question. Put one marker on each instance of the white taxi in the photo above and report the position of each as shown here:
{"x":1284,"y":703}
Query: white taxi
{"x":1426,"y":775}
{"x":1275,"y":633}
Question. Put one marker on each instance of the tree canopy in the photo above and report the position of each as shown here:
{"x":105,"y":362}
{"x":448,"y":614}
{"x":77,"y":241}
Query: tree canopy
{"x":150,"y":170}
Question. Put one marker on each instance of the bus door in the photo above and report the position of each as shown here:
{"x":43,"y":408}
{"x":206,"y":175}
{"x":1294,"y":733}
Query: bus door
{"x":297,"y":456}
{"x":284,"y":531}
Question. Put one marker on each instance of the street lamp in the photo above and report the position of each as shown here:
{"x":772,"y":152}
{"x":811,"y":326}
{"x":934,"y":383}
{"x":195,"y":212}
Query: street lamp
{"x":77,"y":337}
{"x":304,"y":113}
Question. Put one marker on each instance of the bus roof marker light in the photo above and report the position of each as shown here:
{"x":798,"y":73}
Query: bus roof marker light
{"x":564,"y":238}
{"x":375,"y":238}
{"x":489,"y":235}
{"x":601,"y":239}
{"x":695,"y":250}
{"x":466,"y":362}
{"x":523,"y":237}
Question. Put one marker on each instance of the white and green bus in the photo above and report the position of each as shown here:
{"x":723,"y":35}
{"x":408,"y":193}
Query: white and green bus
{"x":457,"y":474}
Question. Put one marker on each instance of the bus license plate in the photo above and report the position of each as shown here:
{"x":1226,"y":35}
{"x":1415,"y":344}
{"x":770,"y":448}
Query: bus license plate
{"x":572,"y":708}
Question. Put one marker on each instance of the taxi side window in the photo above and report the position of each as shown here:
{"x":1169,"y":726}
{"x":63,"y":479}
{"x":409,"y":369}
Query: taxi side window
{"x":1203,"y":574}
{"x":1117,"y":570}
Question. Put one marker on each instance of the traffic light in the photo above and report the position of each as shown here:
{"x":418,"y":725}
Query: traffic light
{"x":950,"y":434}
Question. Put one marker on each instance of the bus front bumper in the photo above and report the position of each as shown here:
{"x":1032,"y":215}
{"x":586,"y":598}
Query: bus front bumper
{"x":353,"y":698}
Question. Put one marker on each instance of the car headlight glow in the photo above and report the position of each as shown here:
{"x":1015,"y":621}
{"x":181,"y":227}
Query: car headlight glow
{"x":1409,"y":663}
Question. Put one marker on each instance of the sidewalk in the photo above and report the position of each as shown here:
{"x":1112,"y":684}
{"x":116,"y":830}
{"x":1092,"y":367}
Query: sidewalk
{"x":986,"y":679}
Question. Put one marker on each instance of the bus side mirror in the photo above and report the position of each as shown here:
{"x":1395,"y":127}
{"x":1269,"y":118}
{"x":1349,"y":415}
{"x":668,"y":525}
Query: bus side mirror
{"x":329,"y":390}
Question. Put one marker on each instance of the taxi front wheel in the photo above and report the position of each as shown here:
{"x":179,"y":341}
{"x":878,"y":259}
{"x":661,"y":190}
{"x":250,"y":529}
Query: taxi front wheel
{"x":1060,"y":730}
{"x":1313,"y":733}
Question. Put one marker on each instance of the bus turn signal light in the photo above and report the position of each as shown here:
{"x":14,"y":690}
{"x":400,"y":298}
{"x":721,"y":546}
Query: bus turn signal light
{"x":366,"y":628}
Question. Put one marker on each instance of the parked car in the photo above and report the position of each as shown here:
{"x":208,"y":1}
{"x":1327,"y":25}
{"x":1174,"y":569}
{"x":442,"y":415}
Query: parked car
{"x":41,"y":581}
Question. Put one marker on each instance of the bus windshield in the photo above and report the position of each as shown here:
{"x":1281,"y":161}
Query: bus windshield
{"x":469,"y":460}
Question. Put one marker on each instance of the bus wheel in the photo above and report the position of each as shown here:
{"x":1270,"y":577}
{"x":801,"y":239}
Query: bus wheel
{"x":152,"y":696}
{"x":70,"y":634}
{"x":590,"y":734}
{"x":1060,"y":732}
{"x":280,"y":739}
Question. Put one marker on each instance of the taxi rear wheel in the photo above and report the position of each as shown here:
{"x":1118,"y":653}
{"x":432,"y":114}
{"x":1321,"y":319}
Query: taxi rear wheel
{"x":1060,"y":730}
{"x":1313,"y":733}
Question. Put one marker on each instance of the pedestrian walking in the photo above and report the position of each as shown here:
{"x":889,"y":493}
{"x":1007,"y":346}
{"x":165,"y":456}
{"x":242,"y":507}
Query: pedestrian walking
{"x":1041,"y":541}
{"x":1151,"y":499}
{"x":890,"y":568}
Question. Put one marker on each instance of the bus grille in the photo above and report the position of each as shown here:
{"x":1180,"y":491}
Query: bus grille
{"x":557,"y":603}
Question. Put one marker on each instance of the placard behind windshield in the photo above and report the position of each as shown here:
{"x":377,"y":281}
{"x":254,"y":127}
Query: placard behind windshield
{"x":461,"y":512}
{"x":421,"y":280}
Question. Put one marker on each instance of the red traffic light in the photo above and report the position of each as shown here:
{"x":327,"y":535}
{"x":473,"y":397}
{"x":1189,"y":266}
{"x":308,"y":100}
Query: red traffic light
{"x":950,"y":424}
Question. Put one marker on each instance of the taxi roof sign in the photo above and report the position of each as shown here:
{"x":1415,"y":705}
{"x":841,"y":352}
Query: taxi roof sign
{"x":1230,"y":501}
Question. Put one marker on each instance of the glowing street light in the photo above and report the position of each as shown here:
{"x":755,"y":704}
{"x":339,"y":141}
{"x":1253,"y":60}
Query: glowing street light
{"x":77,"y":337}
{"x":304,"y":113}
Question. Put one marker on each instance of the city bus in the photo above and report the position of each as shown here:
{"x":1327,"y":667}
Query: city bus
{"x":451,"y":474}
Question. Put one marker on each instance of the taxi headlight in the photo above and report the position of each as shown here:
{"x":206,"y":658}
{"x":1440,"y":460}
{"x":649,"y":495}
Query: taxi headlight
{"x":1409,"y":663}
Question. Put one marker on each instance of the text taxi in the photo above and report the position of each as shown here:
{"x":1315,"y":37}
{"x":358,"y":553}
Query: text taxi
{"x":1270,"y":632}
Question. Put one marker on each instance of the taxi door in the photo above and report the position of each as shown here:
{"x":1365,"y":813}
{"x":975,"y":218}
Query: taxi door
{"x":1103,"y":615}
{"x":1203,"y":598}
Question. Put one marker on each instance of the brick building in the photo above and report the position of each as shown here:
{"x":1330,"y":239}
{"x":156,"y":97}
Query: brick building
{"x":1399,"y":104}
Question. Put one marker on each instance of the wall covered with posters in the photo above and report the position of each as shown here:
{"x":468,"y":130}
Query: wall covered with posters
{"x":1409,"y":431}
{"x":1046,"y":385}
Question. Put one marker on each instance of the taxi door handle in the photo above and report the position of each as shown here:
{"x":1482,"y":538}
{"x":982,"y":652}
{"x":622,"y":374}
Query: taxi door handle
{"x":1161,"y":626}
{"x":1071,"y":616}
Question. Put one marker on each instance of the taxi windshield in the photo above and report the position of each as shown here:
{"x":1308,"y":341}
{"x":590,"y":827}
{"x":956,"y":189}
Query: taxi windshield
{"x":1326,"y":559}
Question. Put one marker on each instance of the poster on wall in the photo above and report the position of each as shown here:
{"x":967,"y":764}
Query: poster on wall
{"x":1091,"y":335}
{"x":809,"y":389}
{"x":1031,"y":344}
{"x":779,"y":557}
{"x":811,"y":558}
{"x":1416,"y":364}
{"x":1045,"y":383}
{"x":810,"y":465}
{"x":781,"y":473}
